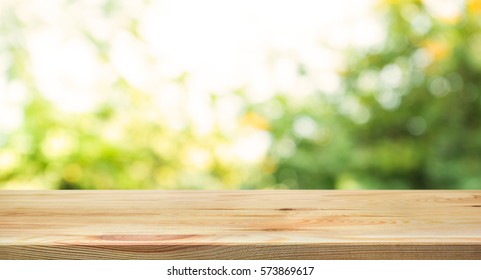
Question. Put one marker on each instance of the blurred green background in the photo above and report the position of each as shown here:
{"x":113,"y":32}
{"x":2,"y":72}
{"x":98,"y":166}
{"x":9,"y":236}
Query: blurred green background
{"x":155,"y":95}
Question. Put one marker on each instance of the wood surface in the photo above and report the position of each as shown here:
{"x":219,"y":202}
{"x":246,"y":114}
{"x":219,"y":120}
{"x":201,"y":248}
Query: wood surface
{"x":278,"y":224}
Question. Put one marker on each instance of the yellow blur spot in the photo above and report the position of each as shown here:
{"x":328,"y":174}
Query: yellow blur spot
{"x":72,"y":173}
{"x":397,"y":2}
{"x":269,"y":166}
{"x":438,"y":49}
{"x":255,"y":120}
{"x":391,"y":2}
{"x":474,"y":6}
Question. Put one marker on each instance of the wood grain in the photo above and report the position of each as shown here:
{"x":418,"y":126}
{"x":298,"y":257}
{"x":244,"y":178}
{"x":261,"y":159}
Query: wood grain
{"x":277,"y":224}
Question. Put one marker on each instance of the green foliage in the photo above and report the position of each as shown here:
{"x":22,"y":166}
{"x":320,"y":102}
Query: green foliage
{"x":421,"y":93}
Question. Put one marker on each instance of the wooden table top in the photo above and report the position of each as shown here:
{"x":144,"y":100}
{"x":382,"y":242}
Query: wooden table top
{"x":261,"y":224}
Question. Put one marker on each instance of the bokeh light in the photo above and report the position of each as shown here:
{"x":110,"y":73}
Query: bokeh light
{"x":117,"y":94}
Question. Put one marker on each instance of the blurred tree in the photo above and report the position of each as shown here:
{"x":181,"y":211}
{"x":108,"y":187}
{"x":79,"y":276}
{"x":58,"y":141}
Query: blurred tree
{"x":409,"y":115}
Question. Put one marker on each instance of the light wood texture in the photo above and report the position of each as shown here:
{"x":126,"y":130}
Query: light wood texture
{"x":240,"y":224}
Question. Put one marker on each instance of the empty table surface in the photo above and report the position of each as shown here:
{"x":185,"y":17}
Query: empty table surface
{"x":261,"y":224}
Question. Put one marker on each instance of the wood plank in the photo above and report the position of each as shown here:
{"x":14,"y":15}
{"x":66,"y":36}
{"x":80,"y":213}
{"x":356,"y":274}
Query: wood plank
{"x":280,"y":224}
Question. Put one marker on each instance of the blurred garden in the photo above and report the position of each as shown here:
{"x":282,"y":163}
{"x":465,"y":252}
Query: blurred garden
{"x":156,"y":94}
